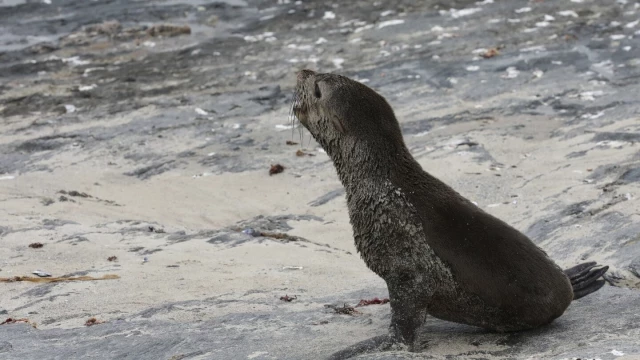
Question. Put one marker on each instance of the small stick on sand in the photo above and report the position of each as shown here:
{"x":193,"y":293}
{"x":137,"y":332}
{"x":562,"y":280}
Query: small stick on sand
{"x":57,"y":279}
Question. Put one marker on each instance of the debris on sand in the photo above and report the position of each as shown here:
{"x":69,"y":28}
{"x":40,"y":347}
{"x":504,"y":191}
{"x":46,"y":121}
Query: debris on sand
{"x":344,"y":310}
{"x":157,"y":231}
{"x":490,"y":53}
{"x":113,"y":29}
{"x":268,"y":234}
{"x":109,"y":28}
{"x":251,"y":232}
{"x":93,"y":321}
{"x":75,"y":193}
{"x":58,"y":279}
{"x":280,"y":236}
{"x":467,"y":143}
{"x":276,"y":169}
{"x":292,"y":267}
{"x":36,"y":245}
{"x":112,"y":258}
{"x":41,"y":273}
{"x":178,"y":357}
{"x":302,"y":153}
{"x":168,"y":30}
{"x":47,"y":201}
{"x":13,"y":321}
{"x":288,"y":298}
{"x":289,"y":142}
{"x":374,"y":301}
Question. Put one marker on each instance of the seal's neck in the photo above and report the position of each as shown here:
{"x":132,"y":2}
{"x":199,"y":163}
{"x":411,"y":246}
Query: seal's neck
{"x":360,"y":162}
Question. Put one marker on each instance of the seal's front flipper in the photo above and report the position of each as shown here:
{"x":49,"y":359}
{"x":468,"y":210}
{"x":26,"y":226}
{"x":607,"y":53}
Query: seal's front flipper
{"x":584,"y":278}
{"x":375,"y":344}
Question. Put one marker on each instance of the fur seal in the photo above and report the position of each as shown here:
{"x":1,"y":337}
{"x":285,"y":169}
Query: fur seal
{"x":440,"y":254}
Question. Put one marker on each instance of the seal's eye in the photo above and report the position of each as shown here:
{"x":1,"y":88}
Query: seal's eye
{"x":317,"y":91}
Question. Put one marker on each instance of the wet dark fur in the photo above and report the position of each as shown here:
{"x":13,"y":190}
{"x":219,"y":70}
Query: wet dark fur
{"x":439,"y":254}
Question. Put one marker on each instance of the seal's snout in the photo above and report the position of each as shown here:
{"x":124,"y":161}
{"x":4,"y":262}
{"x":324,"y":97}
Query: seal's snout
{"x":304,"y":74}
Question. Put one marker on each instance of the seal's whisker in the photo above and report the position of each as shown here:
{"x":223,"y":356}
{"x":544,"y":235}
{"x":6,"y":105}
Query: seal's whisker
{"x":297,"y":101}
{"x":300,"y":132}
{"x":291,"y":115}
{"x":293,"y":119}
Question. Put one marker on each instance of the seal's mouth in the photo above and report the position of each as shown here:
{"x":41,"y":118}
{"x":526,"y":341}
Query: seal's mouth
{"x":299,"y":113}
{"x":299,"y":110}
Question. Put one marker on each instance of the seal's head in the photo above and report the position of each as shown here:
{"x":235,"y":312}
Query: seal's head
{"x":346,"y":117}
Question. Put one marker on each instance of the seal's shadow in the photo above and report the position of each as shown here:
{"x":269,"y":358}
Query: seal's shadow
{"x":442,"y":338}
{"x":447,"y":338}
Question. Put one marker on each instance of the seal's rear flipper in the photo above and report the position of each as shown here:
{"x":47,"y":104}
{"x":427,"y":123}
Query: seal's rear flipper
{"x":584,"y":278}
{"x":375,"y":344}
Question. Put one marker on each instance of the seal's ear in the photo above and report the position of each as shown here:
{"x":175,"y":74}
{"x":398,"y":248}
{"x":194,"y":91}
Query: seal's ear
{"x":337,"y":123}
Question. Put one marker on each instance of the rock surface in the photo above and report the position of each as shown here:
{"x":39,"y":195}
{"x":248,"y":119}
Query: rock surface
{"x":599,"y":326}
{"x":145,"y":130}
